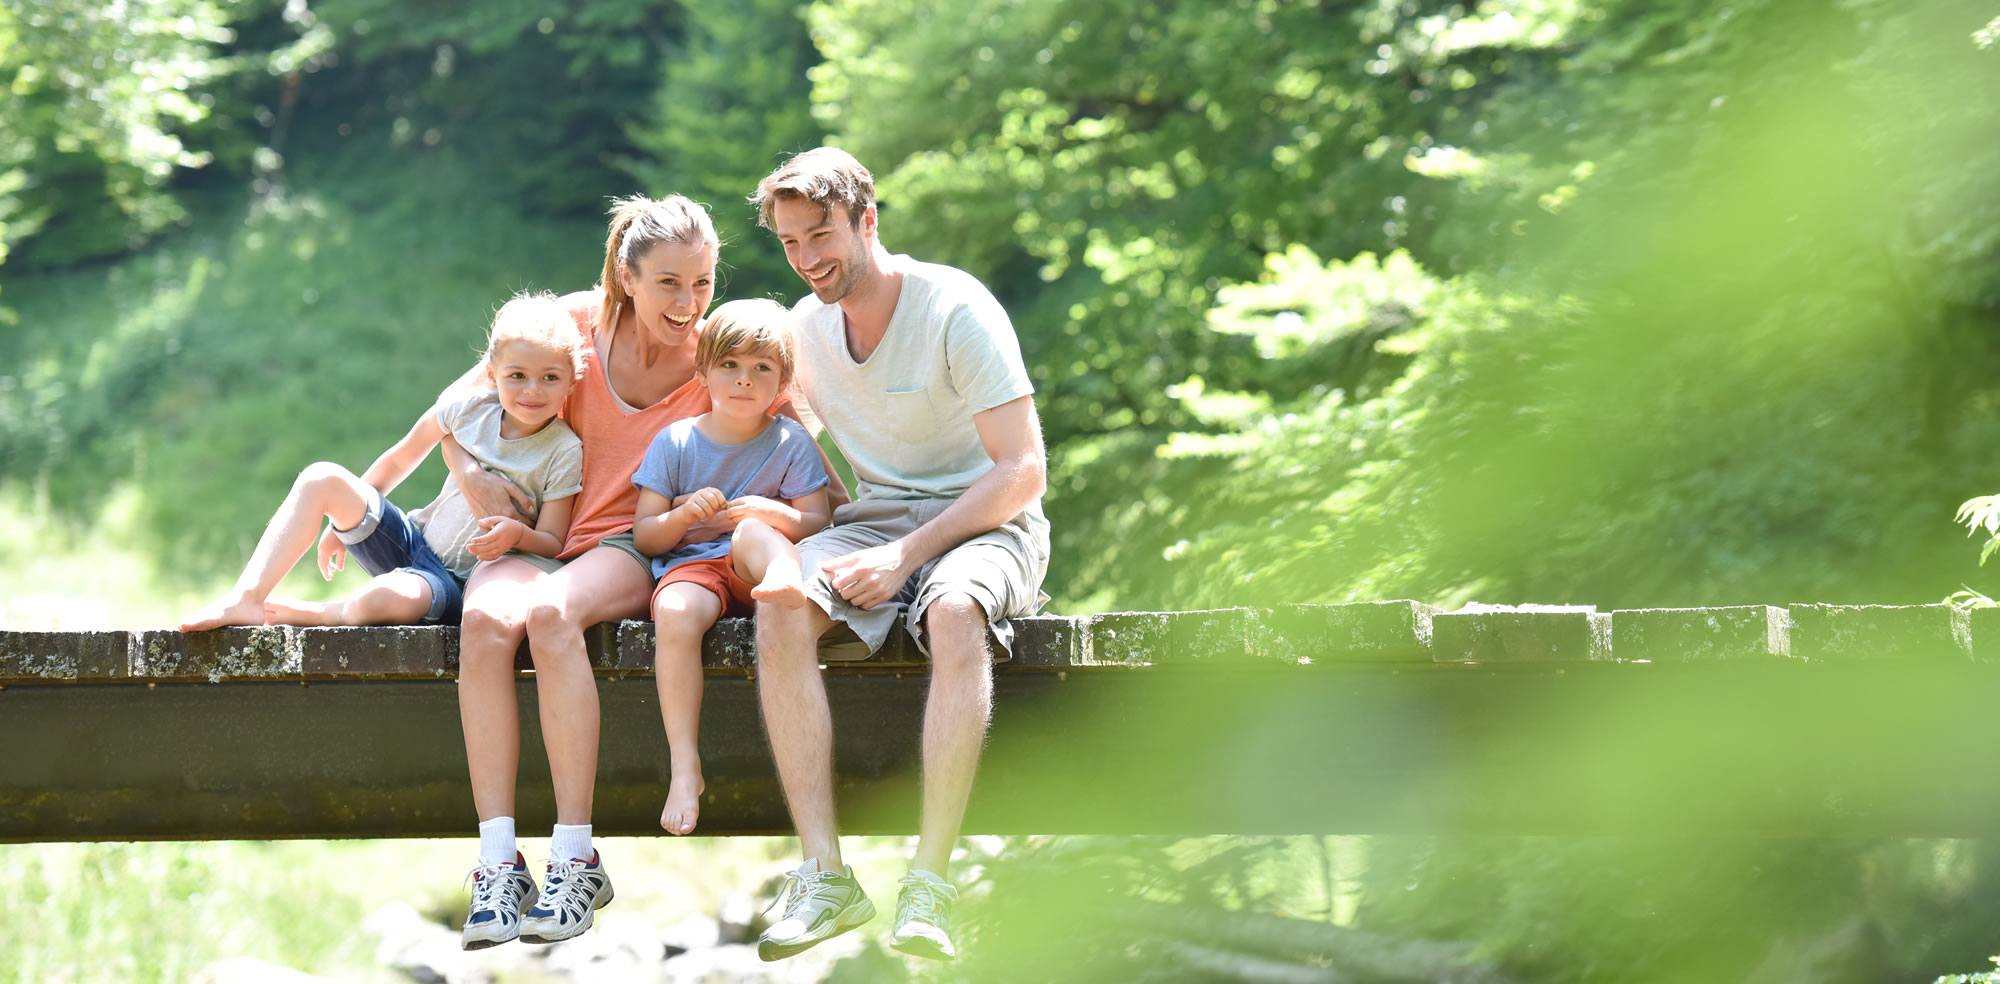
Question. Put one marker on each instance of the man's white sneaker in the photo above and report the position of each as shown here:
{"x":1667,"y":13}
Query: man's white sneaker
{"x":923,"y":917}
{"x":819,"y":905}
{"x":571,"y":894}
{"x":499,"y":894}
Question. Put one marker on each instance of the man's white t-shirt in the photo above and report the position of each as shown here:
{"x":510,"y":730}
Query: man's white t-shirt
{"x":903,"y":417}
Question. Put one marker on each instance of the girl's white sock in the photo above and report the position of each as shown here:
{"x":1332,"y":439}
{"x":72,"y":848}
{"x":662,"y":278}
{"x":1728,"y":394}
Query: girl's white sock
{"x":570,"y":841}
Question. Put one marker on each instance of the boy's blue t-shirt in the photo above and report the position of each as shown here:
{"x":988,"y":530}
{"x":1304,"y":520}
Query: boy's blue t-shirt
{"x":781,"y":463}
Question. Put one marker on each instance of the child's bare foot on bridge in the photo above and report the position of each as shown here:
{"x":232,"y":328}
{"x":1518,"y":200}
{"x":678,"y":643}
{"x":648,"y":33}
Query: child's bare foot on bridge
{"x":236,"y":609}
{"x":683,"y":804}
{"x":281,"y":611}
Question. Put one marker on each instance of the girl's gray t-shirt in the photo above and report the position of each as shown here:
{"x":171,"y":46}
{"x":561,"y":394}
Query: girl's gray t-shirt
{"x":780,"y":463}
{"x":547,"y":464}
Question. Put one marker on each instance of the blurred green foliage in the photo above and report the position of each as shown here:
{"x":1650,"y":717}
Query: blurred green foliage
{"x":93,"y":100}
{"x":1624,"y":302}
{"x":230,"y":358}
{"x":733,"y":100}
{"x":540,"y":93}
{"x":1583,"y":301}
{"x":1688,"y":330}
{"x":1472,"y":909}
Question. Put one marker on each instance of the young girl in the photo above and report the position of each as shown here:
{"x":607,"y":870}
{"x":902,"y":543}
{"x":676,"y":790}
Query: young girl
{"x":420,"y":560}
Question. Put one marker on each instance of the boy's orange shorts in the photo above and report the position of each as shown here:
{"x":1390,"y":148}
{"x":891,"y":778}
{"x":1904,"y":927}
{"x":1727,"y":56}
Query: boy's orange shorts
{"x":718,"y":575}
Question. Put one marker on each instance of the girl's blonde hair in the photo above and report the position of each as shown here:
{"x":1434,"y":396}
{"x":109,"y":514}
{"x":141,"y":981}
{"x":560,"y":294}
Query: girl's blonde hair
{"x":540,"y":320}
{"x":757,"y":326}
{"x":638,"y":224}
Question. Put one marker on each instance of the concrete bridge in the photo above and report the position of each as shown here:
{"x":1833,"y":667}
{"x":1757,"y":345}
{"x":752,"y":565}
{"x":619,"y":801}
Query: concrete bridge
{"x":1386,"y":717}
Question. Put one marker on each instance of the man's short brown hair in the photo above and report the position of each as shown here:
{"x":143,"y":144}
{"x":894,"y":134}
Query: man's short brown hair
{"x":824,"y":176}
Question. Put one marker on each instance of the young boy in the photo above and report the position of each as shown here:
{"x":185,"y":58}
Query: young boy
{"x":741,"y":466}
{"x":420,"y":560}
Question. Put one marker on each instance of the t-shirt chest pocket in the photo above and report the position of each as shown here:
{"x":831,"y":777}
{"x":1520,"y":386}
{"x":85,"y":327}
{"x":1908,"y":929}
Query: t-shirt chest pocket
{"x":909,"y":411}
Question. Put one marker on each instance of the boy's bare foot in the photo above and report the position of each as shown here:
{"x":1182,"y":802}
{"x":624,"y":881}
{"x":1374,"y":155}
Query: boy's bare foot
{"x":281,"y":611}
{"x":683,"y":805}
{"x":233,"y":610}
{"x":781,"y":588}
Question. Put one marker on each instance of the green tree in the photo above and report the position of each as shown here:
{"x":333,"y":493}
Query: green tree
{"x":1107,"y":167}
{"x":539,"y":98}
{"x":94,"y":101}
{"x":1672,"y":293}
{"x":733,"y":100}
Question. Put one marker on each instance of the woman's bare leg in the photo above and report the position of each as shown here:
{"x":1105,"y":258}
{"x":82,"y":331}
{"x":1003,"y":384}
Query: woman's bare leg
{"x":682,"y":614}
{"x":603,"y":585}
{"x":323,"y":489}
{"x":497,"y":599}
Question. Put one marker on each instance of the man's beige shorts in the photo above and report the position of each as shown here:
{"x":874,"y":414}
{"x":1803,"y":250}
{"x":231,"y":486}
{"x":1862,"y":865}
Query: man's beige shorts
{"x":1002,"y":570}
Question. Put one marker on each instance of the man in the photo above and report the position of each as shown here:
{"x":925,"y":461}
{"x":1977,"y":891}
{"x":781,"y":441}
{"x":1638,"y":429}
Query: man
{"x":915,"y":371}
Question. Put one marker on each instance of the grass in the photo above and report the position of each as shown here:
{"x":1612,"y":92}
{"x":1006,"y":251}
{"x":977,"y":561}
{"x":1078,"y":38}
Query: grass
{"x":155,"y":409}
{"x":160,"y":912}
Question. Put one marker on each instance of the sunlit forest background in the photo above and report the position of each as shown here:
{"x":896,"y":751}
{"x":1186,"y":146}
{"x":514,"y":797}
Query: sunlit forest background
{"x":1627,"y":303}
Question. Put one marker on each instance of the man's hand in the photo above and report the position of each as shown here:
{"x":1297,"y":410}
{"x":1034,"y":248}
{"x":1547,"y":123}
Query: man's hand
{"x":494,"y":495}
{"x":332,"y":554}
{"x":501,"y":535}
{"x":773,"y":513}
{"x":867,"y":578}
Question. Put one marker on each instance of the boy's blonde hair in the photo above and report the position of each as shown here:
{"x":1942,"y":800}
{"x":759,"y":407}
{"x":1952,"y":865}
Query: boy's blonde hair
{"x":758,"y":326}
{"x":538,"y":319}
{"x":638,"y":224}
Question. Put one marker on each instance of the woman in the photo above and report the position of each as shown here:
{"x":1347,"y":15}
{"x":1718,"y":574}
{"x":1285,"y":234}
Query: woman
{"x":641,"y":321}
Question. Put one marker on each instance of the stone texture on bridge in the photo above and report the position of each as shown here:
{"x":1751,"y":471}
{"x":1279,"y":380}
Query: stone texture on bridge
{"x":1378,"y":717}
{"x":1302,"y":635}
